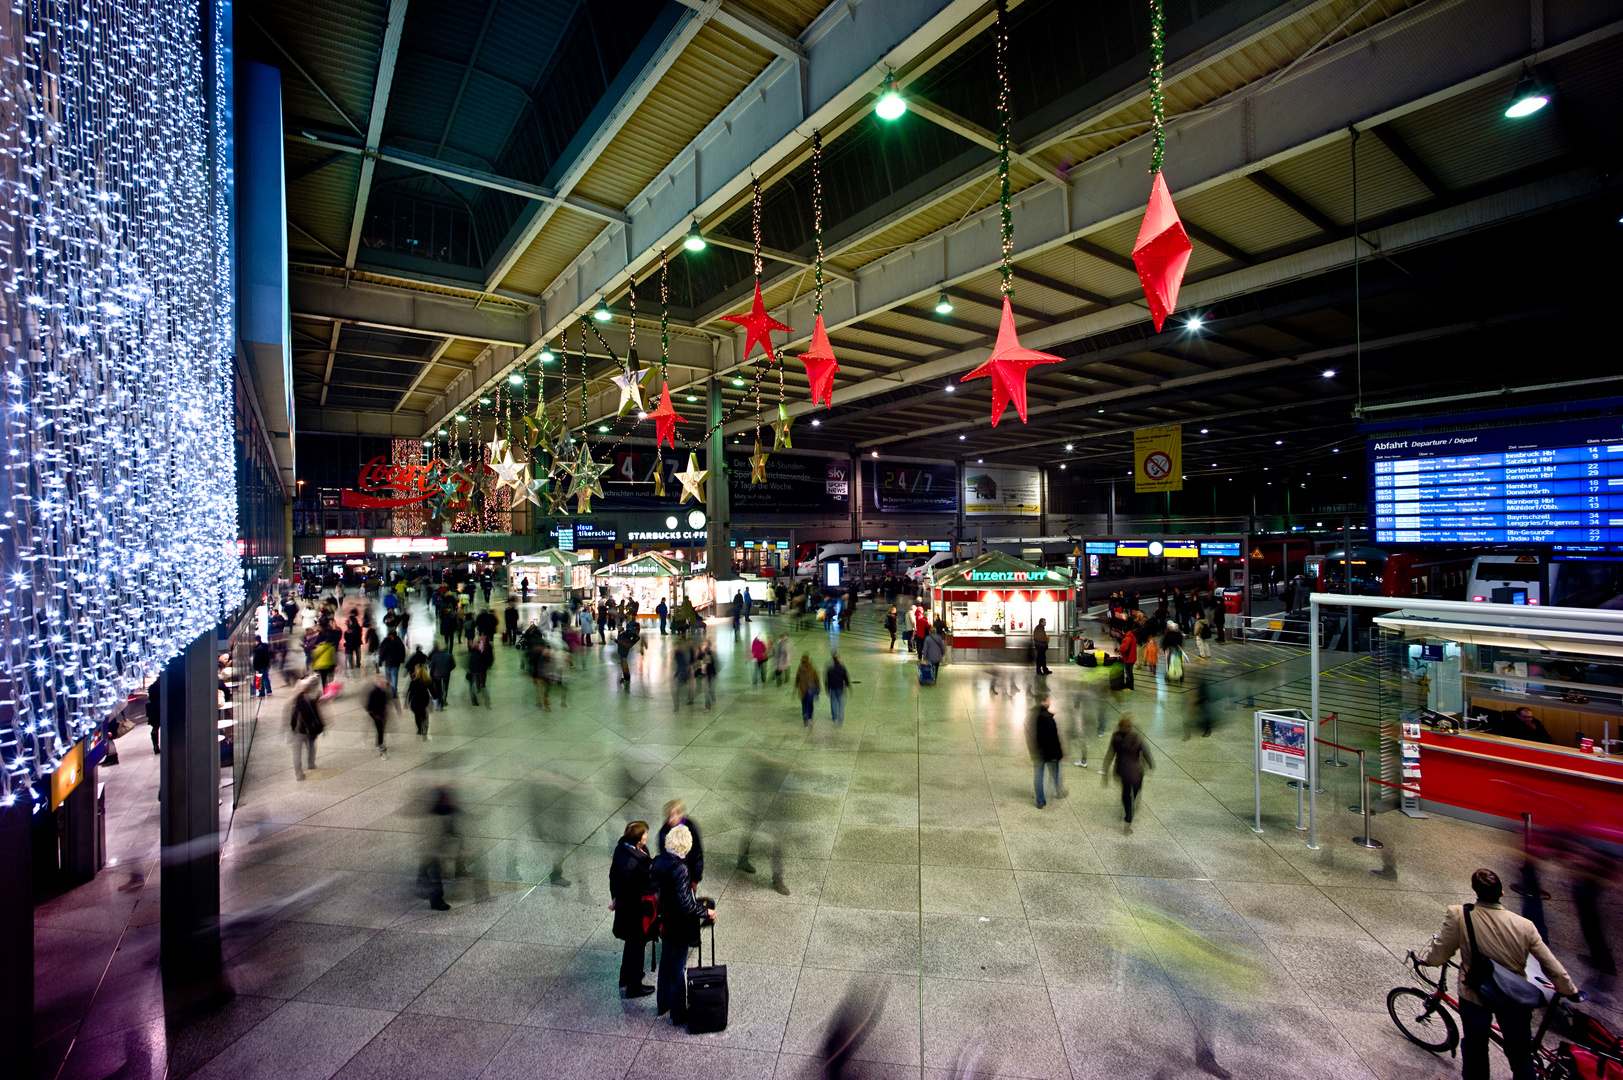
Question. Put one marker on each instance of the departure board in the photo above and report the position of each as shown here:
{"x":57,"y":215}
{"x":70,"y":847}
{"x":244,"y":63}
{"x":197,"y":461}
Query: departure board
{"x":1539,"y":484}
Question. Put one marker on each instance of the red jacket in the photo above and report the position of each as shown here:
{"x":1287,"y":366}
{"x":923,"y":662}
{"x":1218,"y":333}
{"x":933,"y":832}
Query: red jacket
{"x":1129,"y":649}
{"x":921,"y":622}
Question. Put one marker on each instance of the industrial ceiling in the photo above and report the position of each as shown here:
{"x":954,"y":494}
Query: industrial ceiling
{"x":468,"y":180}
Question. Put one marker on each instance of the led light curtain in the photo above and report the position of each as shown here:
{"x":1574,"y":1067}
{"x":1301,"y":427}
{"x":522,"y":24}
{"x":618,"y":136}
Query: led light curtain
{"x":119,"y":545}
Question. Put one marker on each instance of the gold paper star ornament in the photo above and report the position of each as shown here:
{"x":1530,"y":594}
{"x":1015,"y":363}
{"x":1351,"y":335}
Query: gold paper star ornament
{"x":692,"y":479}
{"x":758,"y":462}
{"x":780,"y":429}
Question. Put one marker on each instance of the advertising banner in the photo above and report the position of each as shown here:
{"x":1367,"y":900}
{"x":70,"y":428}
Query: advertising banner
{"x":1158,"y":459}
{"x":1284,"y":744}
{"x":806,"y":485}
{"x":900,"y":487}
{"x":991,"y":490}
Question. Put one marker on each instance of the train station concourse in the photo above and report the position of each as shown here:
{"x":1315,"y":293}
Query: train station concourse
{"x":789,"y":539}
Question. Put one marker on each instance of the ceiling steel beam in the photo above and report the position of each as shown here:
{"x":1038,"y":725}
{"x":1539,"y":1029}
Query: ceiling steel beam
{"x":331,"y":299}
{"x":467,"y":74}
{"x":1218,"y":244}
{"x":1103,"y":254}
{"x":968,"y":129}
{"x":752,"y":27}
{"x":332,"y":352}
{"x":1064,"y":288}
{"x":775,"y":254}
{"x":632,"y":88}
{"x":432,"y":359}
{"x":452,"y":171}
{"x":374,"y":123}
{"x":1411,"y":161}
{"x":1304,"y":209}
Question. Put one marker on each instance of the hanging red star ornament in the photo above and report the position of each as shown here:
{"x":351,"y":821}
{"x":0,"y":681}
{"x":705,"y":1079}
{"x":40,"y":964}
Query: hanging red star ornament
{"x":665,"y":419}
{"x":1161,"y":252}
{"x":759,"y":326}
{"x":820,"y":365}
{"x":1007,"y":367}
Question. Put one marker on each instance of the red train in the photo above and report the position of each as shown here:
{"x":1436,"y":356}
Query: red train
{"x":1442,"y":574}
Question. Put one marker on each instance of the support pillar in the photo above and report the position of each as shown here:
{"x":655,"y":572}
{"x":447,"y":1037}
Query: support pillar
{"x":189,"y":818}
{"x":80,"y":842}
{"x":17,"y":934}
{"x":958,"y":511}
{"x":718,"y":552}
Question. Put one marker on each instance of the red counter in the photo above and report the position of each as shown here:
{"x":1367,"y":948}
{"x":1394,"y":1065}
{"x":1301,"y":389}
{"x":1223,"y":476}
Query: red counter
{"x":1506,"y":778}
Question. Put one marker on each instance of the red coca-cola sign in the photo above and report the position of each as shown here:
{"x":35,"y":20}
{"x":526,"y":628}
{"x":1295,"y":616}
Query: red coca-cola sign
{"x":382,"y":485}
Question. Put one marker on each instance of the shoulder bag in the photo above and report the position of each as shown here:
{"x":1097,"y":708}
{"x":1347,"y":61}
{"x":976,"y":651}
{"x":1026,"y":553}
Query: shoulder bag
{"x":1497,"y":985}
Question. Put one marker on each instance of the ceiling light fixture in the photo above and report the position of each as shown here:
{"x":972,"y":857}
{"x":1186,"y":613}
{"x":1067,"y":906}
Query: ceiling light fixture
{"x":1069,"y":447}
{"x":817,"y":423}
{"x":693,"y":397}
{"x":1194,"y":323}
{"x":484,"y":401}
{"x":602,"y":314}
{"x":546,"y":356}
{"x":602,"y":429}
{"x":1528,"y":98}
{"x":1204,"y":431}
{"x":891,"y":104}
{"x":738,"y":380}
{"x":949,"y":388}
{"x":1329,"y":373}
{"x":943,"y":304}
{"x":961,"y":438}
{"x":873,"y":453}
{"x":694,"y":240}
{"x":516,"y":379}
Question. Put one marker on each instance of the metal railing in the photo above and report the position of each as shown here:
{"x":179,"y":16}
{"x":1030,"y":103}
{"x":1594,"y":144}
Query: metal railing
{"x":1277,"y":629}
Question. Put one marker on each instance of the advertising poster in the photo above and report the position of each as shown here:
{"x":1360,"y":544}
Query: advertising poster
{"x":901,"y":487}
{"x":629,"y":483}
{"x":1284,"y":745}
{"x":992,"y":490}
{"x":1158,"y":459}
{"x":808,"y":485}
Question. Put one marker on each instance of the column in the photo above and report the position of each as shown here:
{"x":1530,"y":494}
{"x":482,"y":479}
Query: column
{"x":718,"y":552}
{"x":17,"y":933}
{"x":80,"y":831}
{"x":189,"y":819}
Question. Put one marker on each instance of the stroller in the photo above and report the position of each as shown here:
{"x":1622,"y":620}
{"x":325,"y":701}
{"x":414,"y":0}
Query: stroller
{"x":1594,"y":1053}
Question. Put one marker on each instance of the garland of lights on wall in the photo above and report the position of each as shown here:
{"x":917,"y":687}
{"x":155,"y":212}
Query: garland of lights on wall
{"x":120,"y":539}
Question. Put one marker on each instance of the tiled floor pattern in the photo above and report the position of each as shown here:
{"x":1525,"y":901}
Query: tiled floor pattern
{"x":990,"y":938}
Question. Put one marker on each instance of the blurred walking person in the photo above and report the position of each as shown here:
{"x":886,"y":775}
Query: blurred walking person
{"x":479,"y":659}
{"x":552,"y":675}
{"x":1132,"y":757}
{"x":419,"y":695}
{"x":780,"y":659}
{"x":443,"y":844}
{"x":1042,"y":731}
{"x":890,"y":626}
{"x":635,"y":905}
{"x":681,"y":672}
{"x":441,"y":662}
{"x":704,"y":671}
{"x":836,"y":678}
{"x":808,"y":687}
{"x":758,"y":654}
{"x":676,"y":813}
{"x":1203,"y":631}
{"x":307,"y":725}
{"x":379,"y":703}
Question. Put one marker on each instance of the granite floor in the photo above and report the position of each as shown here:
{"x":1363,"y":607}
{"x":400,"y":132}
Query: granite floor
{"x":925,"y":891}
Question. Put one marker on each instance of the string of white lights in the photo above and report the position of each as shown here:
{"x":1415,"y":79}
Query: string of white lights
{"x":119,"y":540}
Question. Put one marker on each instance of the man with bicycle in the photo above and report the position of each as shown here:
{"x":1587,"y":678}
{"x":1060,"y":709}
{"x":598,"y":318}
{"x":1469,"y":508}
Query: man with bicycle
{"x":1507,"y":938}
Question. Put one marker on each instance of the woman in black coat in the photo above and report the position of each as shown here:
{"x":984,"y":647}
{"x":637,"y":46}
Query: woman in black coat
{"x":629,"y":882}
{"x":1132,"y":757}
{"x":680,"y":916}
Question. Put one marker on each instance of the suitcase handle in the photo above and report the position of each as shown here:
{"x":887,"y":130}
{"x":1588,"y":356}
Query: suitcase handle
{"x":712,"y":945}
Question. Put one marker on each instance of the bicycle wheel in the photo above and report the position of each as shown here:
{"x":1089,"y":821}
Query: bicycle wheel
{"x":1424,"y":1022}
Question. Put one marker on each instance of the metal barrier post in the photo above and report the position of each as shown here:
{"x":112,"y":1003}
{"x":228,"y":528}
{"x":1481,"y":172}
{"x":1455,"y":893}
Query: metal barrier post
{"x":1256,"y":771}
{"x":1366,"y":841}
{"x":1362,"y":793}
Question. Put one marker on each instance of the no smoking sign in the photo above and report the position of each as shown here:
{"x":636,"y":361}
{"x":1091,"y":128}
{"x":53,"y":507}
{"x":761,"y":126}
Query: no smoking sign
{"x":1157,"y":465}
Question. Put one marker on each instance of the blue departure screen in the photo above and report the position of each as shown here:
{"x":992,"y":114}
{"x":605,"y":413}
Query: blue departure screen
{"x":1542,"y":484}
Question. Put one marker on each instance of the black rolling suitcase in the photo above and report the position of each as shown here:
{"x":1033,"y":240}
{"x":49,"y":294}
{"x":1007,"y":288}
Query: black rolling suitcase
{"x":707,"y":992}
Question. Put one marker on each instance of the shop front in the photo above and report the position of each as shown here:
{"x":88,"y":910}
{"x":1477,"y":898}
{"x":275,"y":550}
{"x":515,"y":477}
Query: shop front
{"x":645,"y":580}
{"x":553,"y":576}
{"x":993,"y":603}
{"x":1512,"y":716}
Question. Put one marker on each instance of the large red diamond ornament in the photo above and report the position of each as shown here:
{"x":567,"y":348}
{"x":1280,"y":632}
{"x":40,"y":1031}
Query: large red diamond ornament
{"x":759,"y":326}
{"x":665,"y":419}
{"x":1007,"y":367}
{"x":1161,"y":252}
{"x":820,"y":365}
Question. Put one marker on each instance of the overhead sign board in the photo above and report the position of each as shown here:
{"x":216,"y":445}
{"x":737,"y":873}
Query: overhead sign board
{"x":1220,"y":548}
{"x":1100,"y":547}
{"x":989,"y":490}
{"x":409,"y":545}
{"x":346,"y":545}
{"x":1158,"y":459}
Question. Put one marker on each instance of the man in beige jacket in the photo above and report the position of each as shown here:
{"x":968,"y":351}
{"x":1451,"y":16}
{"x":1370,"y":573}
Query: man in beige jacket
{"x":1508,"y":938}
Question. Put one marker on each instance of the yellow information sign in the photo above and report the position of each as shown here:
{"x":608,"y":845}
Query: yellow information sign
{"x":1158,"y":459}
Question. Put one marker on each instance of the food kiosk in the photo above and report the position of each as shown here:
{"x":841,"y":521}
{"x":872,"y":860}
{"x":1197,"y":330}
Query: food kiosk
{"x":1461,"y":677}
{"x":554,"y":575}
{"x":991,"y":604}
{"x":647,"y":579}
